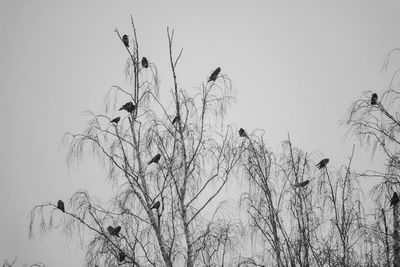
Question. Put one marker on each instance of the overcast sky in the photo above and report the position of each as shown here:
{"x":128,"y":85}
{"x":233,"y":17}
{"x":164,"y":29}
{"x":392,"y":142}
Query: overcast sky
{"x":296,"y":66}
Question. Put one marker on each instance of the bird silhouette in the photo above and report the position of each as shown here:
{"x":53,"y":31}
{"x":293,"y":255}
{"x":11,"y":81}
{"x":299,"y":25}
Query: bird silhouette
{"x":322,"y":163}
{"x":303,"y":184}
{"x":60,"y":205}
{"x":114,"y":231}
{"x":155,"y":159}
{"x":116,"y":120}
{"x":125,"y":40}
{"x":395,"y":199}
{"x":145,"y":63}
{"x":121,"y":256}
{"x":128,"y":107}
{"x":156,"y":205}
{"x":242,"y":133}
{"x":214,"y":75}
{"x":374,"y":99}
{"x":176,"y":119}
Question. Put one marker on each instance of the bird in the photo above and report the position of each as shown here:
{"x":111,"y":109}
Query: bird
{"x":125,"y":40}
{"x":322,"y":163}
{"x":114,"y":231}
{"x":242,"y":133}
{"x":176,"y":119}
{"x":395,"y":199}
{"x":156,"y":205}
{"x":303,"y":184}
{"x":60,"y":205}
{"x":155,"y":159}
{"x":116,"y":120}
{"x":117,"y":230}
{"x":374,"y":99}
{"x":145,"y":63}
{"x":128,"y":107}
{"x":214,"y":75}
{"x":121,"y":256}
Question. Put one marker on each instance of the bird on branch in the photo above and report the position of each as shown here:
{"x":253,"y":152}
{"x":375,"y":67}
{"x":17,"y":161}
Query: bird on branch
{"x":121,"y":256}
{"x":302,"y":184}
{"x":242,"y":133}
{"x":374,"y":99}
{"x":125,"y":40}
{"x":322,"y":163}
{"x":156,"y":205}
{"x":116,"y":120}
{"x":176,"y":119}
{"x":114,"y":231}
{"x":60,"y":205}
{"x":155,"y":159}
{"x":145,"y":63}
{"x":395,"y":199}
{"x":129,"y":107}
{"x":214,"y":75}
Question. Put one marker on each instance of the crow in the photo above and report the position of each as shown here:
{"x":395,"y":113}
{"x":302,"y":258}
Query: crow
{"x":214,"y":75}
{"x":60,"y":205}
{"x":155,"y":159}
{"x":121,"y":256}
{"x":125,"y":40}
{"x":110,"y":230}
{"x":322,"y":163}
{"x":116,"y":120}
{"x":145,"y":63}
{"x":117,"y":230}
{"x":374,"y":99}
{"x":176,"y":119}
{"x":156,"y":205}
{"x":128,"y":107}
{"x":395,"y":199}
{"x":302,"y":184}
{"x":242,"y":133}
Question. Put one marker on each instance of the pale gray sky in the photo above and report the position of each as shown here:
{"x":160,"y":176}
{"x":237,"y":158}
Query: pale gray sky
{"x":296,"y":65}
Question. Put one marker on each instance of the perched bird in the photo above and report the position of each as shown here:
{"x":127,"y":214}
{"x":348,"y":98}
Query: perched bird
{"x":121,"y":256}
{"x":374,"y":99}
{"x":116,"y":120}
{"x":176,"y":119}
{"x":145,"y":63}
{"x":395,"y":199}
{"x":125,"y":40}
{"x":155,"y":159}
{"x":214,"y":75}
{"x":156,"y":205}
{"x":128,"y":107}
{"x":302,"y":184}
{"x":117,"y":230}
{"x":322,"y":163}
{"x":242,"y":133}
{"x":114,"y":231}
{"x":60,"y":205}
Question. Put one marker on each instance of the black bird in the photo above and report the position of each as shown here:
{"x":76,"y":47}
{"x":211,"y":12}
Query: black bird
{"x":125,"y":40}
{"x":156,"y":205}
{"x":302,"y":184}
{"x":60,"y":205}
{"x":214,"y":75}
{"x":242,"y":133}
{"x":114,"y":231}
{"x":116,"y":120}
{"x":121,"y":256}
{"x":395,"y":199}
{"x":128,"y":107}
{"x":155,"y":159}
{"x":374,"y":99}
{"x":145,"y":63}
{"x":322,"y":163}
{"x":176,"y":119}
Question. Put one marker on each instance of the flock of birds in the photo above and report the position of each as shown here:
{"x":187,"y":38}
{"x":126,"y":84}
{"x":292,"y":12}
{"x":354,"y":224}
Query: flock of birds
{"x":130,"y":107}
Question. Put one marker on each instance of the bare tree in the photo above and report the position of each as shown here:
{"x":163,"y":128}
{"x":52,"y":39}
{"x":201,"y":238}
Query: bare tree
{"x":168,"y":163}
